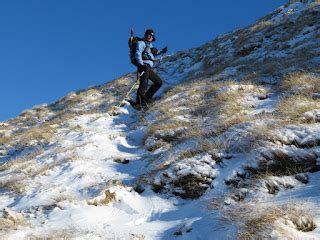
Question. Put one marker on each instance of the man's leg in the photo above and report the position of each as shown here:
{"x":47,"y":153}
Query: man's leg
{"x":157,"y":82}
{"x":144,"y":75}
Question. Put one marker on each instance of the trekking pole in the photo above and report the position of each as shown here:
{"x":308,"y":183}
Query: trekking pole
{"x":126,"y":96}
{"x":160,"y":60}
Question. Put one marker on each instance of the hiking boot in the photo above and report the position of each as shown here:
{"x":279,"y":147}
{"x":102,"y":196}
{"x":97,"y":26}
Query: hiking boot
{"x":138,"y":106}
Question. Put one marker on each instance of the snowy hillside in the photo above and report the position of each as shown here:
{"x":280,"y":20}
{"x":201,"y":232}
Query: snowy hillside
{"x":230,"y":151}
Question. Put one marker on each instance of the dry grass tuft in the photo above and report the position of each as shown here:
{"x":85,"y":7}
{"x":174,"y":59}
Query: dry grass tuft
{"x":193,"y":186}
{"x":32,"y":137}
{"x":302,"y":83}
{"x":18,"y":170}
{"x":61,"y":235}
{"x":257,"y":222}
{"x":204,"y":146}
{"x":167,"y":131}
{"x":279,"y":162}
{"x":104,"y":199}
{"x":224,"y":103}
{"x":6,"y":224}
{"x":4,"y":139}
{"x":13,"y":185}
{"x":107,"y":196}
{"x":261,"y":133}
{"x":11,"y":220}
{"x":294,"y":107}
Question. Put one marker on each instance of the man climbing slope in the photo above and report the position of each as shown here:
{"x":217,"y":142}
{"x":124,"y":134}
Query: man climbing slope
{"x":144,"y":60}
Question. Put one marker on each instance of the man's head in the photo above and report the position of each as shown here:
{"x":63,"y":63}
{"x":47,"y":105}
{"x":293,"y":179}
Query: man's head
{"x":149,"y":35}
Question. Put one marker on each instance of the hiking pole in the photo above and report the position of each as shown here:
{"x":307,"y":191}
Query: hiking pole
{"x":126,"y":96}
{"x":160,"y":60}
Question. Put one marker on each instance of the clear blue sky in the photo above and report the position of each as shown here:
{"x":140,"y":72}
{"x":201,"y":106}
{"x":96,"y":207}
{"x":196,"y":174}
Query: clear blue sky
{"x":49,"y":48}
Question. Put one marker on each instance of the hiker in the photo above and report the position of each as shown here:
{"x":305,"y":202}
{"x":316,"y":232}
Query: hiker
{"x":143,"y":59}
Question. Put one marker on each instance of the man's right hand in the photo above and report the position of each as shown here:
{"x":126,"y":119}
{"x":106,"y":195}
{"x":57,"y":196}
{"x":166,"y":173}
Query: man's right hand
{"x":142,"y":67}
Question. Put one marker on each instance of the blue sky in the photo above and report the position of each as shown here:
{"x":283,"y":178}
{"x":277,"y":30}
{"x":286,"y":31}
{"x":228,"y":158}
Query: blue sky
{"x":52,"y":47}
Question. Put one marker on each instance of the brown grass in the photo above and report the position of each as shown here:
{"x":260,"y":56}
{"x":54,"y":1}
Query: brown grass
{"x":302,"y":83}
{"x":294,"y":107}
{"x":279,"y":163}
{"x":4,"y":139}
{"x":164,"y":126}
{"x":193,"y":186}
{"x":108,"y":197}
{"x":6,"y":224}
{"x":20,"y":169}
{"x":261,"y":133}
{"x":11,"y":222}
{"x":222,"y":104}
{"x":260,"y":26}
{"x":60,"y":234}
{"x":257,"y":222}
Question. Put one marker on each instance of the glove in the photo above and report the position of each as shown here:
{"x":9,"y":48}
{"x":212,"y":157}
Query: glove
{"x":164,"y":50}
{"x":154,"y":51}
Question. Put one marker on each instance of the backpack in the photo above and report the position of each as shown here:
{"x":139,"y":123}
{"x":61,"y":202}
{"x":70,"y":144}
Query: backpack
{"x":132,"y":46}
{"x":132,"y":42}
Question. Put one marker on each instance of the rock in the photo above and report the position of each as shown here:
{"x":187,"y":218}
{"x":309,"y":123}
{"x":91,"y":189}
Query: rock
{"x":316,"y":96}
{"x":272,"y":187}
{"x":240,"y":195}
{"x":121,"y":160}
{"x":262,"y":96}
{"x":302,"y":177}
{"x":139,"y":189}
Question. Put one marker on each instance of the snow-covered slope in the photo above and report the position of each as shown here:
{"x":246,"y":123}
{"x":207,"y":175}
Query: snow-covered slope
{"x":231,"y":149}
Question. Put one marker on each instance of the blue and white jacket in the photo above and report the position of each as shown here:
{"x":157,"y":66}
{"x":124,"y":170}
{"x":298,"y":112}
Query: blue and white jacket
{"x":142,"y":47}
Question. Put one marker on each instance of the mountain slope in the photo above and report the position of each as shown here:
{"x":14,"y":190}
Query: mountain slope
{"x":232,"y":147}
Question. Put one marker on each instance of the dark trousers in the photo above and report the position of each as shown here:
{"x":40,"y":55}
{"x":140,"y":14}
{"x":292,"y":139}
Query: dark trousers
{"x":146,"y":73}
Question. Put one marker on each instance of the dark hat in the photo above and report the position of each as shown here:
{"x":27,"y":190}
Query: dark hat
{"x":150,"y":32}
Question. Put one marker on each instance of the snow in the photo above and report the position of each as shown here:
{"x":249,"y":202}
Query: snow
{"x":292,"y":11}
{"x":98,"y":177}
{"x":101,"y":140}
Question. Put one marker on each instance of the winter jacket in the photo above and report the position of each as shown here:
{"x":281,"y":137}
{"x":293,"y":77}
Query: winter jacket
{"x":144,"y":48}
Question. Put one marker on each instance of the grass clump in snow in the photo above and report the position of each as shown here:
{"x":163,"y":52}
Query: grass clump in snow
{"x":17,"y":172}
{"x":294,"y":107}
{"x":4,"y":139}
{"x":304,"y":89}
{"x":168,"y":131}
{"x":11,"y":220}
{"x":204,"y":103}
{"x":262,"y":132}
{"x":279,"y":162}
{"x":302,"y":83}
{"x":108,"y":195}
{"x":106,"y":198}
{"x":192,"y":186}
{"x":32,"y":136}
{"x":258,"y":222}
